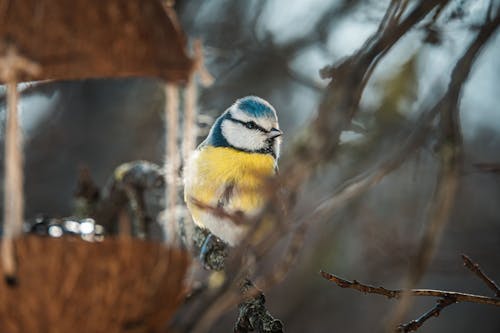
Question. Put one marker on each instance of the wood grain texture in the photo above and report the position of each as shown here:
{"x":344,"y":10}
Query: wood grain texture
{"x":91,"y":38}
{"x":68,"y":285}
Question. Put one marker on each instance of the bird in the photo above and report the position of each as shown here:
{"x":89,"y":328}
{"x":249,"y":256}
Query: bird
{"x":229,"y":169}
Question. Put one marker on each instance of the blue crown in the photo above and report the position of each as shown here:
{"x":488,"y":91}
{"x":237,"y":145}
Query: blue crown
{"x":252,"y":105}
{"x":256,"y":107}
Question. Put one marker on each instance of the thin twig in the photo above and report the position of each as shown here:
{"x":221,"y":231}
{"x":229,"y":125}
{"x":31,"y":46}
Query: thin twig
{"x":446,"y":298}
{"x":474,"y":268}
{"x":397,"y":293}
{"x":434,"y":312}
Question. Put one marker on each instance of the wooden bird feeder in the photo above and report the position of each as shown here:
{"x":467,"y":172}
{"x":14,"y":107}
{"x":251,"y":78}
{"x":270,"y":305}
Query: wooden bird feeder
{"x":115,"y":286}
{"x":93,"y":39}
{"x":67,"y":284}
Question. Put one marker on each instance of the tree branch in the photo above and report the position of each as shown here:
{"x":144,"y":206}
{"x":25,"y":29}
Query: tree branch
{"x":253,"y":315}
{"x":317,"y":145}
{"x":397,"y":293}
{"x":450,"y":154}
{"x":335,"y":112}
{"x":446,"y":298}
{"x":434,"y":312}
{"x":477,"y":270}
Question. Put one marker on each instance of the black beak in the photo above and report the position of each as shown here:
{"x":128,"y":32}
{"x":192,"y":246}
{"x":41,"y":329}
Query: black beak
{"x":274,"y":133}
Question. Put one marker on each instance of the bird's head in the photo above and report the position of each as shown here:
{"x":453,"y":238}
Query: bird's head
{"x":251,"y":125}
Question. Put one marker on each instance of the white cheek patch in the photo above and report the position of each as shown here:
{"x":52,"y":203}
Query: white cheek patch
{"x":241,"y":137}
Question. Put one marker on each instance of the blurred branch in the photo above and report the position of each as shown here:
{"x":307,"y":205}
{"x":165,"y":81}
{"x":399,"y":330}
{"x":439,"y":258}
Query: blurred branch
{"x":237,"y":218}
{"x":351,"y":189}
{"x":317,"y":145}
{"x":337,"y":95}
{"x":488,"y":167}
{"x":391,"y":19}
{"x":450,"y":154}
{"x":477,"y":270}
{"x":489,"y":11}
{"x":259,"y":6}
{"x":385,"y":38}
{"x":339,"y":104}
{"x":335,"y":113}
{"x":361,"y":183}
{"x":237,"y":267}
{"x":388,"y":16}
{"x":303,"y":79}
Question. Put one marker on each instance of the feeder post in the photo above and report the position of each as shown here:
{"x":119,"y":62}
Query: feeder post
{"x":13,"y":182}
{"x":11,"y":66}
{"x":191,"y":95}
{"x":190,"y":127}
{"x":170,"y":223}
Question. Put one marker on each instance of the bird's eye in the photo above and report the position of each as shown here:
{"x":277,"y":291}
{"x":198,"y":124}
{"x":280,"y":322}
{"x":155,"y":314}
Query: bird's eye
{"x":251,"y":125}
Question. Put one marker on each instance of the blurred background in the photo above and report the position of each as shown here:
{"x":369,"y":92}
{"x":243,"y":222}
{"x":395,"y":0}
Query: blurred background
{"x":275,"y":49}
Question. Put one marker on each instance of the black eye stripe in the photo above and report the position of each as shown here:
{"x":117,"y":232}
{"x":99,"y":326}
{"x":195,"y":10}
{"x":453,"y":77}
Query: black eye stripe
{"x":252,"y":124}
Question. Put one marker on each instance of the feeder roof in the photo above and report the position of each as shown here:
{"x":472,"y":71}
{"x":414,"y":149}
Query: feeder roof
{"x":93,"y":38}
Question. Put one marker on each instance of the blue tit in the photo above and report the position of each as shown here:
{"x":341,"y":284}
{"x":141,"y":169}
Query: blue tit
{"x":230,"y":167}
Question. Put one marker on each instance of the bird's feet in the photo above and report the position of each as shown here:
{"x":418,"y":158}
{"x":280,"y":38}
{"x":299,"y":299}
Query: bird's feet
{"x":213,"y":253}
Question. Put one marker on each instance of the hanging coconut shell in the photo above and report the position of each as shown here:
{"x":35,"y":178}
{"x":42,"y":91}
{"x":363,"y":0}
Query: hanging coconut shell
{"x":70,"y":285}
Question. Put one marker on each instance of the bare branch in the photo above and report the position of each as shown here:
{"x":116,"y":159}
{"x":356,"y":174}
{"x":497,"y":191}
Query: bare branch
{"x":350,"y":189}
{"x":477,"y":270}
{"x":337,"y":97}
{"x":446,"y":298}
{"x":384,"y":39}
{"x":434,"y":312}
{"x":450,"y":154}
{"x":397,"y":293}
{"x":318,"y":145}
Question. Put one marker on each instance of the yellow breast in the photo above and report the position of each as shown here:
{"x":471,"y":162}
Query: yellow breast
{"x":212,"y":169}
